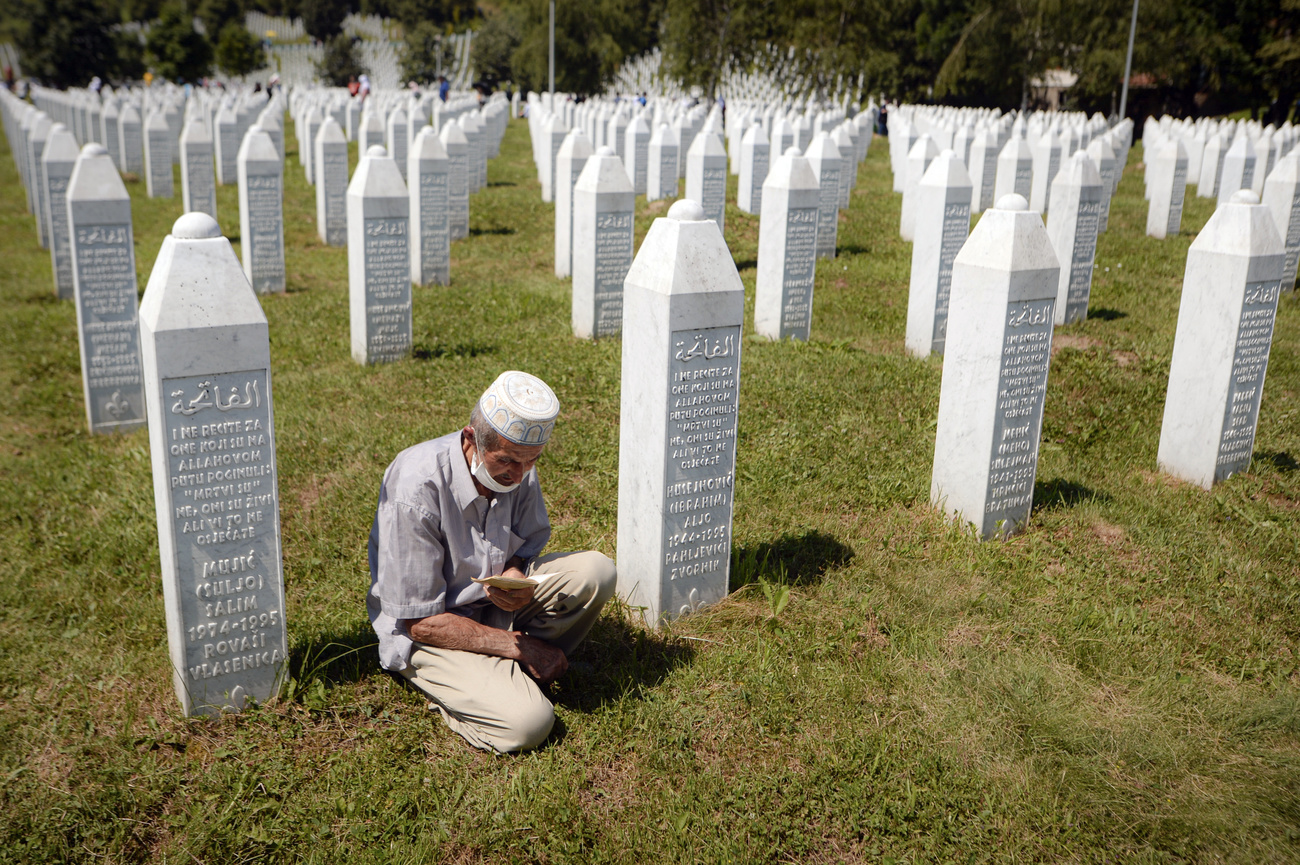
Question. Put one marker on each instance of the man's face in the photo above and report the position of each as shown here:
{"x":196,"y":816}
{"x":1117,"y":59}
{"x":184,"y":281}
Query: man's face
{"x":510,"y":462}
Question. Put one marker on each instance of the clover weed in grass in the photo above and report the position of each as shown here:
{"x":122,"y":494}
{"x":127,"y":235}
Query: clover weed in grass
{"x":1117,"y":682}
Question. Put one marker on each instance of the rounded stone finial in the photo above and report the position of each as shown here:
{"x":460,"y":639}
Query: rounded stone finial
{"x":793,"y":151}
{"x":94,"y":149}
{"x":1012,"y":202}
{"x":605,"y":150}
{"x":195,"y":226}
{"x":947,"y":152}
{"x":377,"y":150}
{"x":1244,"y":196}
{"x":256,"y":127}
{"x":686,"y":210}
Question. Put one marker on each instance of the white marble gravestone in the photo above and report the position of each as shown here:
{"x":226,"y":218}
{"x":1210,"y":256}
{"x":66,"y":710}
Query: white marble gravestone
{"x":661,"y":164}
{"x":457,"y":146}
{"x":331,"y":163}
{"x":37,"y":133}
{"x":198,"y":178}
{"x":570,"y":160}
{"x":1047,"y":155}
{"x":983,"y":167}
{"x":313,"y":117}
{"x":57,"y":163}
{"x":1221,"y":347}
{"x":842,"y":138}
{"x":1015,"y":170}
{"x":1281,"y":196}
{"x":158,"y":157}
{"x":108,"y":131}
{"x":371,"y":132}
{"x":1207,"y":185}
{"x":1238,"y":170}
{"x":272,"y":122}
{"x":604,"y":208}
{"x":683,"y":307}
{"x":261,"y":211}
{"x":1072,"y":226}
{"x":995,"y":371}
{"x":919,"y":158}
{"x":103,"y":276}
{"x":1103,"y":157}
{"x":398,"y":139}
{"x":130,"y":140}
{"x":206,"y":358}
{"x":554,"y":131}
{"x":828,"y":165}
{"x":429,"y":175}
{"x":942,"y":224}
{"x":227,"y":141}
{"x":754,"y":165}
{"x":787,"y":249}
{"x":1167,"y":169}
{"x":379,"y":260}
{"x":706,"y":176}
{"x":637,"y":147}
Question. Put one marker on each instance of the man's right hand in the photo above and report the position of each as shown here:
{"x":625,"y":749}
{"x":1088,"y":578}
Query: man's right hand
{"x":543,"y":661}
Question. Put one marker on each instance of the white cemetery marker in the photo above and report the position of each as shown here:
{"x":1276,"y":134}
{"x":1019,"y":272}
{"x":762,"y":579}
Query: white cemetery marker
{"x":207,"y":356}
{"x":1072,"y":226}
{"x":983,"y":168}
{"x":227,"y":142}
{"x":457,"y":147}
{"x":372,"y":131}
{"x":1212,"y":156}
{"x":1103,"y":157}
{"x":398,"y":139}
{"x":570,"y":160}
{"x":429,"y":171}
{"x":787,"y":249}
{"x":198,"y":182}
{"x":995,"y":371}
{"x":828,"y":165}
{"x":706,"y":176}
{"x":754,"y":164}
{"x":661,"y":164}
{"x":553,"y":133}
{"x":261,"y":211}
{"x":637,"y":147}
{"x":57,"y":162}
{"x":1281,"y":196}
{"x":1221,"y":347}
{"x":108,"y":131}
{"x":684,"y":304}
{"x":37,"y":134}
{"x":331,"y":162}
{"x":1168,"y":174}
{"x":312,"y":120}
{"x":1046,"y":162}
{"x":1015,"y":170}
{"x":130,"y":143}
{"x":103,"y":276}
{"x":158,"y":157}
{"x":1238,"y":168}
{"x":272,"y":122}
{"x":842,"y":138}
{"x":379,"y":260}
{"x":603,"y":216}
{"x":919,"y":158}
{"x":942,"y":225}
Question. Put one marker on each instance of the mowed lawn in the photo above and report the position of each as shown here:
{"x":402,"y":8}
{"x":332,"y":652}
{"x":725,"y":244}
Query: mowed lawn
{"x":1117,"y":683}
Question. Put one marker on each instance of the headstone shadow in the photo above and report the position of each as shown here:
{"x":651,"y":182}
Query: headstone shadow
{"x":1058,"y":494}
{"x":1107,"y":314}
{"x":499,"y":229}
{"x":618,"y":659}
{"x":796,"y":560}
{"x":1280,"y":460}
{"x":472,"y":348}
{"x":335,"y":658}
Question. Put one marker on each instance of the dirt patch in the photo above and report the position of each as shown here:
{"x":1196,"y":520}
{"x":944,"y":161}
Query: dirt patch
{"x":871,"y":636}
{"x":657,"y":206}
{"x":1109,"y":534}
{"x":1072,"y":340}
{"x":1124,"y":358}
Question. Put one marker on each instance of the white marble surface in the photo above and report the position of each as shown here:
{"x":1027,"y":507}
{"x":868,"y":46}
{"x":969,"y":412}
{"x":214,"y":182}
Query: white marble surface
{"x":569,"y":162}
{"x":1072,"y":226}
{"x":706,"y":176}
{"x":603,"y":223}
{"x":428,"y":188}
{"x":57,"y":162}
{"x":919,"y":158}
{"x":787,"y":258}
{"x":553,"y":133}
{"x":1238,"y":171}
{"x":1225,"y":324}
{"x":830,"y":167}
{"x":661,"y":164}
{"x":1047,"y":156}
{"x":683,"y":308}
{"x":1167,"y":173}
{"x":261,"y":211}
{"x":982,"y":165}
{"x":457,"y":146}
{"x":331,"y":163}
{"x":942,"y":226}
{"x":637,"y":150}
{"x":1281,"y":197}
{"x":158,"y":157}
{"x":1103,"y":156}
{"x":198,"y":174}
{"x":1015,"y":170}
{"x":206,"y":358}
{"x":378,"y":236}
{"x":755,"y":161}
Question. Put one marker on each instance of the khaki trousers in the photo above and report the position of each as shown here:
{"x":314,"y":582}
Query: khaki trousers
{"x":491,"y":701}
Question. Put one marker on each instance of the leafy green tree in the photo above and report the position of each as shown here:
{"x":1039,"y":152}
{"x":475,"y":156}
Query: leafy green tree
{"x":592,"y":39}
{"x":423,"y":53}
{"x":453,"y":13}
{"x":65,"y":43}
{"x":174,"y":49}
{"x":129,"y":63}
{"x":323,"y":19}
{"x":494,"y":44}
{"x":238,"y":51}
{"x":216,"y":14}
{"x":340,"y":63}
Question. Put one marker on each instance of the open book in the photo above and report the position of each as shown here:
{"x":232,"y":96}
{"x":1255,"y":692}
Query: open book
{"x":503,"y":582}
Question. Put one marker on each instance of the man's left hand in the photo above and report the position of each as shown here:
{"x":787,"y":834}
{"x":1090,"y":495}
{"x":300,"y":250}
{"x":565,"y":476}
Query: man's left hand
{"x":511,"y":600}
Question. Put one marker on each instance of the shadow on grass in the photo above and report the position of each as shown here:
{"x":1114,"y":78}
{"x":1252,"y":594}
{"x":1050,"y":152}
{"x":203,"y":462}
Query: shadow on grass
{"x":617,"y":659}
{"x":502,"y":183}
{"x":1279,"y":460}
{"x":796,"y":560}
{"x":844,"y":249}
{"x":422,"y":351}
{"x":476,"y":232}
{"x":1058,"y":494}
{"x":1106,"y":314}
{"x":334,"y":659}
{"x":749,"y":262}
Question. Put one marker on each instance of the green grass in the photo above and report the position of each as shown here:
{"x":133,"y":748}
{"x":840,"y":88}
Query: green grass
{"x":1117,"y":683}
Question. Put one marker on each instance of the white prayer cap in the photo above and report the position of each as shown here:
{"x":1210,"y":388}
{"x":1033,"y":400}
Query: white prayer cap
{"x":521,"y":407}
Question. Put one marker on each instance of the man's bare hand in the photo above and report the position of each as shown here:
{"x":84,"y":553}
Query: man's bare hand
{"x":543,"y":661}
{"x":511,"y":600}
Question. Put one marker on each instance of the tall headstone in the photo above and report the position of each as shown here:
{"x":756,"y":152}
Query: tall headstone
{"x":1072,"y":226}
{"x":198,"y":181}
{"x":706,"y":176}
{"x":1167,"y":169}
{"x":1103,"y":156}
{"x":112,"y":141}
{"x":398,"y":139}
{"x":661,"y":164}
{"x":1281,"y":197}
{"x":604,"y":210}
{"x":457,"y":147}
{"x":1221,"y":347}
{"x":331,"y":162}
{"x":995,"y":371}
{"x":1238,"y":168}
{"x":379,"y":260}
{"x":429,"y":175}
{"x":312,"y":119}
{"x":570,"y":160}
{"x":58,"y":161}
{"x":207,"y":370}
{"x":684,"y":305}
{"x":787,"y":249}
{"x":553,"y":134}
{"x":827,"y":164}
{"x":261,"y":211}
{"x":272,"y":122}
{"x":37,"y":134}
{"x":130,"y":132}
{"x":942,"y":225}
{"x":1212,"y":156}
{"x":1047,"y":155}
{"x":754,"y":164}
{"x":637,"y":147}
{"x":158,"y":157}
{"x":983,"y":167}
{"x":227,"y":142}
{"x":1015,"y":170}
{"x":919,"y":158}
{"x":103,"y":276}
{"x":372,"y":131}
{"x":842,"y":138}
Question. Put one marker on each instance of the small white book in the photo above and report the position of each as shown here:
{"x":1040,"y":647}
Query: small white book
{"x":501,"y":581}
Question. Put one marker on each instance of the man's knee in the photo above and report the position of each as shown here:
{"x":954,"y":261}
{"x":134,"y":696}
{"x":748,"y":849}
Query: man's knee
{"x":604,"y":576}
{"x":525,"y":728}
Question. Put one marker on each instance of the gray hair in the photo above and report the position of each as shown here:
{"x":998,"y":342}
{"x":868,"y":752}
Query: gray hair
{"x":486,"y":438}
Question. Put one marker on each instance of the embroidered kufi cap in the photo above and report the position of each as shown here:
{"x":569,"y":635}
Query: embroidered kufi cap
{"x":521,"y":407}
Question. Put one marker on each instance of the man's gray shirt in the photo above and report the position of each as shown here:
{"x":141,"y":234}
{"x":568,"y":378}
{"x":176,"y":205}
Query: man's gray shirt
{"x":433,"y":533}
